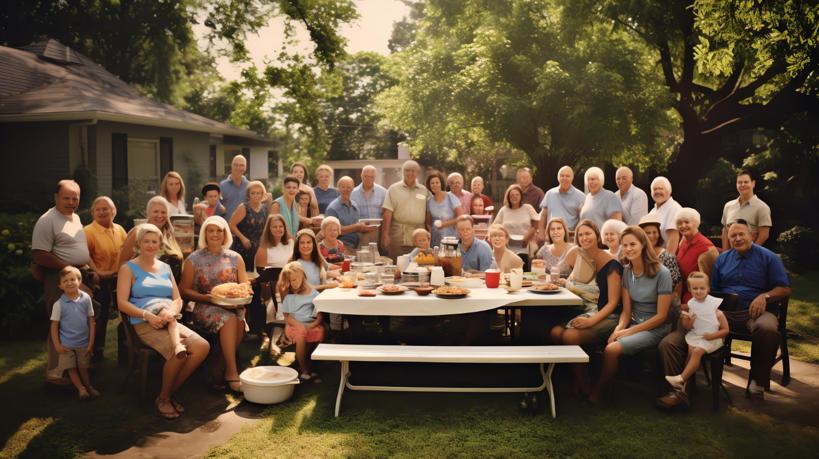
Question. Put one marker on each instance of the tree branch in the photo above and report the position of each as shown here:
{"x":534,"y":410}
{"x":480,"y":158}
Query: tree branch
{"x":667,"y":66}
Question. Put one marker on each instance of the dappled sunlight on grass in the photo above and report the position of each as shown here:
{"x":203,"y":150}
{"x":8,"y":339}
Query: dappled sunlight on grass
{"x":24,"y":368}
{"x":19,"y":441}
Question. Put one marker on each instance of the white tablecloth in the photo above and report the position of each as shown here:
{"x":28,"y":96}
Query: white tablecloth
{"x":347,"y":301}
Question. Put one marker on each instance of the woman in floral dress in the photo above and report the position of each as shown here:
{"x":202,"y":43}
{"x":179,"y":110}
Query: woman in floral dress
{"x":215,"y":264}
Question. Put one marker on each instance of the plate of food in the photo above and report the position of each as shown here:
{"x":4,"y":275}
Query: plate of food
{"x":450,"y":292}
{"x":392,"y":289}
{"x":231,"y":294}
{"x":461,"y":281}
{"x":367,"y":292}
{"x":545,"y":289}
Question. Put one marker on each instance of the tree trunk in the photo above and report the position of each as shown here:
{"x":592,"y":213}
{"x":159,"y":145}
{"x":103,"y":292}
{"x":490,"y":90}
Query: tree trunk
{"x":545,"y":170}
{"x":697,"y":154}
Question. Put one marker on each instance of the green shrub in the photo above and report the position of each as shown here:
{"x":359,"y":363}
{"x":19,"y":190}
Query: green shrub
{"x":799,"y":247}
{"x":19,"y":293}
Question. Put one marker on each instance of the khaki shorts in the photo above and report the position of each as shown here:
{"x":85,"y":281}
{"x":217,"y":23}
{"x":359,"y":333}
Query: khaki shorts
{"x":601,"y":331}
{"x":160,"y":341}
{"x":74,"y":358}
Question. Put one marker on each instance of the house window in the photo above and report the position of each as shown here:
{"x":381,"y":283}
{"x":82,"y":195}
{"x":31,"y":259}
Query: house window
{"x":272,"y":164}
{"x":143,"y":164}
{"x":230,"y":152}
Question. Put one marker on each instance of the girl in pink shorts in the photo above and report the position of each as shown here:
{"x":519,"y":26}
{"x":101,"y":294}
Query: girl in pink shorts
{"x":303,"y":325}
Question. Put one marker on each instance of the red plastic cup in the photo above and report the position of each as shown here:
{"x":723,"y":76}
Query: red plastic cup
{"x":492,"y":278}
{"x":345,"y":265}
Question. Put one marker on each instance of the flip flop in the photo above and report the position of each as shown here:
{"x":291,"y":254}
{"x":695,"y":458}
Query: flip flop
{"x":177,"y":406}
{"x":169,"y":415}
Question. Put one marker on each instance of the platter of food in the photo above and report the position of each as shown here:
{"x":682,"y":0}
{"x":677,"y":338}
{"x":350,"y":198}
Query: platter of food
{"x":231,"y":294}
{"x":545,"y":289}
{"x":450,"y":292}
{"x":392,"y":289}
{"x":367,"y":292}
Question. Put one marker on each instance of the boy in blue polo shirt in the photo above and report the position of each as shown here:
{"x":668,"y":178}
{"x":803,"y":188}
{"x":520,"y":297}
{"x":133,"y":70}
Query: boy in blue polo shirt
{"x":72,"y":331}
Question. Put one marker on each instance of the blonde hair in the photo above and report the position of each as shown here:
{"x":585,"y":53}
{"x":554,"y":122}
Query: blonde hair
{"x":285,"y":285}
{"x":497,"y":228}
{"x":68,"y":269}
{"x":169,"y":244}
{"x":698,"y":275}
{"x":227,"y":238}
{"x":145,"y":229}
{"x":255,"y":184}
{"x":164,"y":185}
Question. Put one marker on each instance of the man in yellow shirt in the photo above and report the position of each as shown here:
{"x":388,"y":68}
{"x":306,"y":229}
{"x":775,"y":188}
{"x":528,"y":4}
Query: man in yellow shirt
{"x":405,"y":210}
{"x":105,"y":239}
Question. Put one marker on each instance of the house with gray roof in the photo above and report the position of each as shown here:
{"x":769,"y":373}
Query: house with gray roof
{"x":60,"y":111}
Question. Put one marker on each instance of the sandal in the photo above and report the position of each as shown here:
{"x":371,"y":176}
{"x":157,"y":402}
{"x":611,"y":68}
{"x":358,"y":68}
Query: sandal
{"x":93,"y":392}
{"x":83,"y":394}
{"x":177,"y":406}
{"x":169,"y":415}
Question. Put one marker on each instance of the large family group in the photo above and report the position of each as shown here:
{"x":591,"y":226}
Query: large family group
{"x":644,"y":274}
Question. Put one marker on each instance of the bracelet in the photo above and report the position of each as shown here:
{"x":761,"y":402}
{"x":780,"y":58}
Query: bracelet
{"x":144,"y":311}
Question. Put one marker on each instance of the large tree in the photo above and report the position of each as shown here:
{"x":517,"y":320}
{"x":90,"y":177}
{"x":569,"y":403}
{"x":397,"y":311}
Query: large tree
{"x":520,"y":73}
{"x":731,"y":66}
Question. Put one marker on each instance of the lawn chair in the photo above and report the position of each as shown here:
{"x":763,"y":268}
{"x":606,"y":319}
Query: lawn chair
{"x":138,"y":355}
{"x":780,"y":309}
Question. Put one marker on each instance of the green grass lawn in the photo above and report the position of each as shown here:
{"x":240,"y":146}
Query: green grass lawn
{"x":37,"y":422}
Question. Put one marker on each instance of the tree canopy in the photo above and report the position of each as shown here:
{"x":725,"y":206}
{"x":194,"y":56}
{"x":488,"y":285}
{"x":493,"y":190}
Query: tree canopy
{"x":520,"y":74}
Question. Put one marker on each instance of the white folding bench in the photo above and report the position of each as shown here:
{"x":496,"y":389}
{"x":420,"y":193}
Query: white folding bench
{"x":346,"y":353}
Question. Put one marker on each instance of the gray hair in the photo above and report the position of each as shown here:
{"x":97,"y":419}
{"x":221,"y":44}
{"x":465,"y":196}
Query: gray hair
{"x":369,"y":167}
{"x":477,"y":177}
{"x":330,"y":221}
{"x":613,"y":225}
{"x":410,"y":164}
{"x":687,"y":213}
{"x":227,"y":240}
{"x":594,"y":171}
{"x":661,"y":181}
{"x":346,"y":178}
{"x":564,"y":168}
{"x":108,"y":201}
{"x":453,"y":175}
{"x":158,"y":200}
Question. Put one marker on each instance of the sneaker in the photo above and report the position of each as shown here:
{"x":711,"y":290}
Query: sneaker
{"x":675,"y":381}
{"x":756,"y":392}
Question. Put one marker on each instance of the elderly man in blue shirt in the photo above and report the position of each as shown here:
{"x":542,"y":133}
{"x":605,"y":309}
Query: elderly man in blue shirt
{"x":758,"y":277}
{"x":369,"y":196}
{"x":347,"y":212}
{"x":234,"y":186}
{"x":476,"y":255}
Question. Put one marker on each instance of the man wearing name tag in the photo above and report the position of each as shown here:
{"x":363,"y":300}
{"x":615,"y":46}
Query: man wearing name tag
{"x":405,"y":210}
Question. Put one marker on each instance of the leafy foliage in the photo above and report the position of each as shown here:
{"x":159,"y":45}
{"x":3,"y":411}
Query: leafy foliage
{"x":482,"y":75}
{"x":18,"y":289}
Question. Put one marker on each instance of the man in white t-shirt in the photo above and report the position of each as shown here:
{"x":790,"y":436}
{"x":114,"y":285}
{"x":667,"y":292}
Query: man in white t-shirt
{"x":665,"y":209}
{"x":633,"y":200}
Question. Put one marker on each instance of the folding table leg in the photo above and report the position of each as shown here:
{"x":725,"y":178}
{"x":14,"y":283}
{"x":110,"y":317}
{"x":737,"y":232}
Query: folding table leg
{"x":342,"y":383}
{"x":547,"y":378}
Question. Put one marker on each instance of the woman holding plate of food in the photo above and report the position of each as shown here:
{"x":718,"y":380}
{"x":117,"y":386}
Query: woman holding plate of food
{"x":210,"y":266}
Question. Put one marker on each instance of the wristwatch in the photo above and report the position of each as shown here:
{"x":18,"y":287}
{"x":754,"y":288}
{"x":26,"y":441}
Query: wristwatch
{"x":767,"y":297}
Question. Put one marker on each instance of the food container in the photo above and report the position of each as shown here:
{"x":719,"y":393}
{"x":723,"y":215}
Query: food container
{"x":419,"y":277}
{"x":361,"y":267}
{"x":268,"y":384}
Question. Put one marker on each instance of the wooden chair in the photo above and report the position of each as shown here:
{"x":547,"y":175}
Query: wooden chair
{"x":780,"y":309}
{"x":139,"y":355}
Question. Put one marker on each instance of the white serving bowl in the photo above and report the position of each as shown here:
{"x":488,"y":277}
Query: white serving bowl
{"x":268,"y":385}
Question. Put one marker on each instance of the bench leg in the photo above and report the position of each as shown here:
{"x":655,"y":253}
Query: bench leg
{"x":342,"y":383}
{"x":547,"y":379}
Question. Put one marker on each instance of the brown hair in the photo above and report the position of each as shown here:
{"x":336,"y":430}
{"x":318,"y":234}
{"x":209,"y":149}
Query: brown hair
{"x":562,"y":223}
{"x":698,"y":275}
{"x":593,"y":226}
{"x":651,"y":262}
{"x":436,"y":174}
{"x":67,"y":270}
{"x":266,"y":240}
{"x":304,"y":168}
{"x":513,"y":186}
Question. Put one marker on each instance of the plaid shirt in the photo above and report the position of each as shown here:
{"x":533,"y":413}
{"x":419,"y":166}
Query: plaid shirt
{"x":369,"y":206}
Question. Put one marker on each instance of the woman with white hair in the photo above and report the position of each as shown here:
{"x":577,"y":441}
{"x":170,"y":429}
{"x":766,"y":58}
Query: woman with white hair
{"x":143,"y":285}
{"x":156,"y":213}
{"x":601,"y":204}
{"x":610,"y":233}
{"x":105,"y":239}
{"x":215,"y":264}
{"x":696,"y":252}
{"x":665,"y":210}
{"x":331,"y":248}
